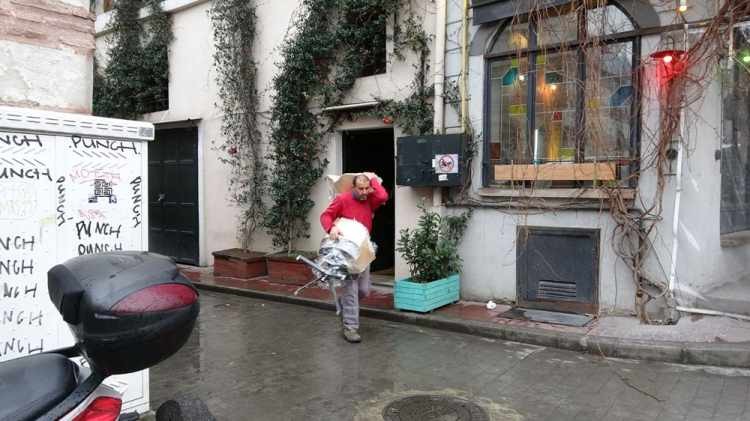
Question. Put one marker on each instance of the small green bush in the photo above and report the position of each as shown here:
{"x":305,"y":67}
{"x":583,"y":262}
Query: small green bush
{"x":431,"y":249}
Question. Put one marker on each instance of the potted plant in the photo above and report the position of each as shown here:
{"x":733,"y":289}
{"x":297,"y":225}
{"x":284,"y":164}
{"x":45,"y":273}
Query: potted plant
{"x":431,"y":251}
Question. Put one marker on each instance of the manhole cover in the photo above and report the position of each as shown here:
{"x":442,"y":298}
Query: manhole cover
{"x":433,"y":407}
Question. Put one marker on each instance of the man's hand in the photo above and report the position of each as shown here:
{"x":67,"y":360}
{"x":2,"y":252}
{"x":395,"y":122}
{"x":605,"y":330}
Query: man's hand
{"x":370,"y":176}
{"x":334,"y":233}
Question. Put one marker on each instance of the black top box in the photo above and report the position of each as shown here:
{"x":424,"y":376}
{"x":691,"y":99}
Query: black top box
{"x":128,"y":310}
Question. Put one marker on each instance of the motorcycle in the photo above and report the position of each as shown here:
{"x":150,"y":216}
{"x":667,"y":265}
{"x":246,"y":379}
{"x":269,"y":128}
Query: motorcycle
{"x":127,"y":310}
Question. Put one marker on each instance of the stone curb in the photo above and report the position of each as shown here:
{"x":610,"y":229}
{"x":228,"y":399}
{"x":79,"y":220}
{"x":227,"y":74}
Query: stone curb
{"x":694,"y":353}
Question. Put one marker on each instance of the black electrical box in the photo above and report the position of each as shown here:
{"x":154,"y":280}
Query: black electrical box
{"x":430,"y":161}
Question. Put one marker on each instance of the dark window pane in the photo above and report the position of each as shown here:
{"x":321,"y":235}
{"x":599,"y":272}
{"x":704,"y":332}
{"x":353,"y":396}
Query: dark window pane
{"x":554,"y":30}
{"x":556,"y":88}
{"x":514,"y":38}
{"x":508,"y":111}
{"x":374,"y":58}
{"x":735,"y":151}
{"x":595,"y":84}
{"x":609,"y":96}
{"x":607,"y":20}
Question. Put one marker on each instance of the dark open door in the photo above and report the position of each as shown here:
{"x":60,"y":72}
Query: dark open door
{"x":173,"y":194}
{"x":372,"y":150}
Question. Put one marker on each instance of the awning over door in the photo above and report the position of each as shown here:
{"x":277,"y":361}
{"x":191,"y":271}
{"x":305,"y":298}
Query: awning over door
{"x":494,"y":10}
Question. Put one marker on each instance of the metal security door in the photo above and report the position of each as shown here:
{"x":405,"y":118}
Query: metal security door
{"x":173,"y":194}
{"x":558,"y":269}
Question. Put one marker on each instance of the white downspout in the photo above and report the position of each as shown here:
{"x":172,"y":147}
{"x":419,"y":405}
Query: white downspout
{"x":439,"y":65}
{"x":439,"y":82}
{"x":676,"y":215}
{"x":465,"y":67}
{"x":678,"y":190}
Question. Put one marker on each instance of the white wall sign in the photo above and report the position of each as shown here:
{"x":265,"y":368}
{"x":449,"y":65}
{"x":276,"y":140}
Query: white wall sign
{"x":446,"y":164}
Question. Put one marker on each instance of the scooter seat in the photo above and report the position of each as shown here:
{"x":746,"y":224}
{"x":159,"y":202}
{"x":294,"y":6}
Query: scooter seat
{"x":31,"y":386}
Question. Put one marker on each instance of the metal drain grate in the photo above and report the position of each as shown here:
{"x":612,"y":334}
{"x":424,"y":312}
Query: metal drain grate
{"x":433,"y":407}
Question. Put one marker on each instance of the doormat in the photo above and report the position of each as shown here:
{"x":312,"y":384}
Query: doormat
{"x":543,"y":316}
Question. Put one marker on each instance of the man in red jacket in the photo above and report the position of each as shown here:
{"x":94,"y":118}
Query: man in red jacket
{"x":360,"y":204}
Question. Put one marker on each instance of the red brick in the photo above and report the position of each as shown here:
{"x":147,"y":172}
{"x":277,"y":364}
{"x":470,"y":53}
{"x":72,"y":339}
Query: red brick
{"x":286,"y":272}
{"x":238,"y":268}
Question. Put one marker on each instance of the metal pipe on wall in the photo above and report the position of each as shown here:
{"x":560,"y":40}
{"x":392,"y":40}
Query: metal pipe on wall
{"x":439,"y":65}
{"x":678,"y":187}
{"x":465,"y":66}
{"x":439,"y":80}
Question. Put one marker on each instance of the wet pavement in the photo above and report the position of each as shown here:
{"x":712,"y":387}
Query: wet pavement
{"x":252,"y":359}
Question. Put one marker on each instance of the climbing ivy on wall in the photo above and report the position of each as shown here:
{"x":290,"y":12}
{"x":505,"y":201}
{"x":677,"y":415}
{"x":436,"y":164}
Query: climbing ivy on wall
{"x":320,"y":63}
{"x":136,"y":78}
{"x":414,"y":114}
{"x":234,"y":24}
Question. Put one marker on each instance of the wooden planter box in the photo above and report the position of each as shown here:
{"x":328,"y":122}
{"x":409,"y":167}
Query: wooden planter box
{"x":239,"y":263}
{"x":424,"y":297}
{"x":283,"y":268}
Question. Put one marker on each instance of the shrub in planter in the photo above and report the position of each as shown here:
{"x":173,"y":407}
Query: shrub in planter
{"x":431,"y":251}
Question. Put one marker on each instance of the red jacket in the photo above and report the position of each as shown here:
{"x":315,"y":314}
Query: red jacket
{"x":346,"y":206}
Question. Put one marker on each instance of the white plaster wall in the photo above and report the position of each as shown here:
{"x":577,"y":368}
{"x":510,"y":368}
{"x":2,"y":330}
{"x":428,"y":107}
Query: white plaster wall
{"x":701,"y":260}
{"x":702,"y":263}
{"x":78,"y":3}
{"x":35,"y":76}
{"x":45,"y":59}
{"x":489,"y":254}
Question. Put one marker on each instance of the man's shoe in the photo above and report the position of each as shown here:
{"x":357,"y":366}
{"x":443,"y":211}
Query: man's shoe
{"x":351,"y":335}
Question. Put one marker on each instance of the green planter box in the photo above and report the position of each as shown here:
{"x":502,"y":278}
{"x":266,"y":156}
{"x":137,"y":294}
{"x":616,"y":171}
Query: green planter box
{"x":425,"y":297}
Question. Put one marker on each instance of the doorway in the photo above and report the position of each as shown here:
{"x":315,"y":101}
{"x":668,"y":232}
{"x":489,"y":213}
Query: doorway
{"x":173,"y":194}
{"x":372,"y":150}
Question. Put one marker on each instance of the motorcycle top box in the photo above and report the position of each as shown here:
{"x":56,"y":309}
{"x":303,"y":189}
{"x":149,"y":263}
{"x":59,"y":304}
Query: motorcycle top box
{"x":128,"y":310}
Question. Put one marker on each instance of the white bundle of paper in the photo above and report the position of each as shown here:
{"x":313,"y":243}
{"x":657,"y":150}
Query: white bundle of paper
{"x":363,"y":253}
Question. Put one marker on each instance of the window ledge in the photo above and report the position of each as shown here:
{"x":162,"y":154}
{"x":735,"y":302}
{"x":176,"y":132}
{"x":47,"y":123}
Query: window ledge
{"x":583,"y":194}
{"x":101,"y":27}
{"x":735,"y":239}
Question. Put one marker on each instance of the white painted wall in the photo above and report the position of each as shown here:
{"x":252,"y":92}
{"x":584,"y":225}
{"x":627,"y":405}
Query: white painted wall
{"x":702,"y":263}
{"x":47,"y":78}
{"x":46,"y":56}
{"x":193,"y":94}
{"x":489,"y":254}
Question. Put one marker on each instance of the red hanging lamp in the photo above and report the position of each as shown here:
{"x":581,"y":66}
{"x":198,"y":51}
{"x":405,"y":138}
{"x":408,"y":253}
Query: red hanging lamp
{"x":671,"y":63}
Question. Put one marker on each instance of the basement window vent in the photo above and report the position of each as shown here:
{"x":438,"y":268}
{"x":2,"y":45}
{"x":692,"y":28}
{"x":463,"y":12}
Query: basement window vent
{"x":552,"y":290}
